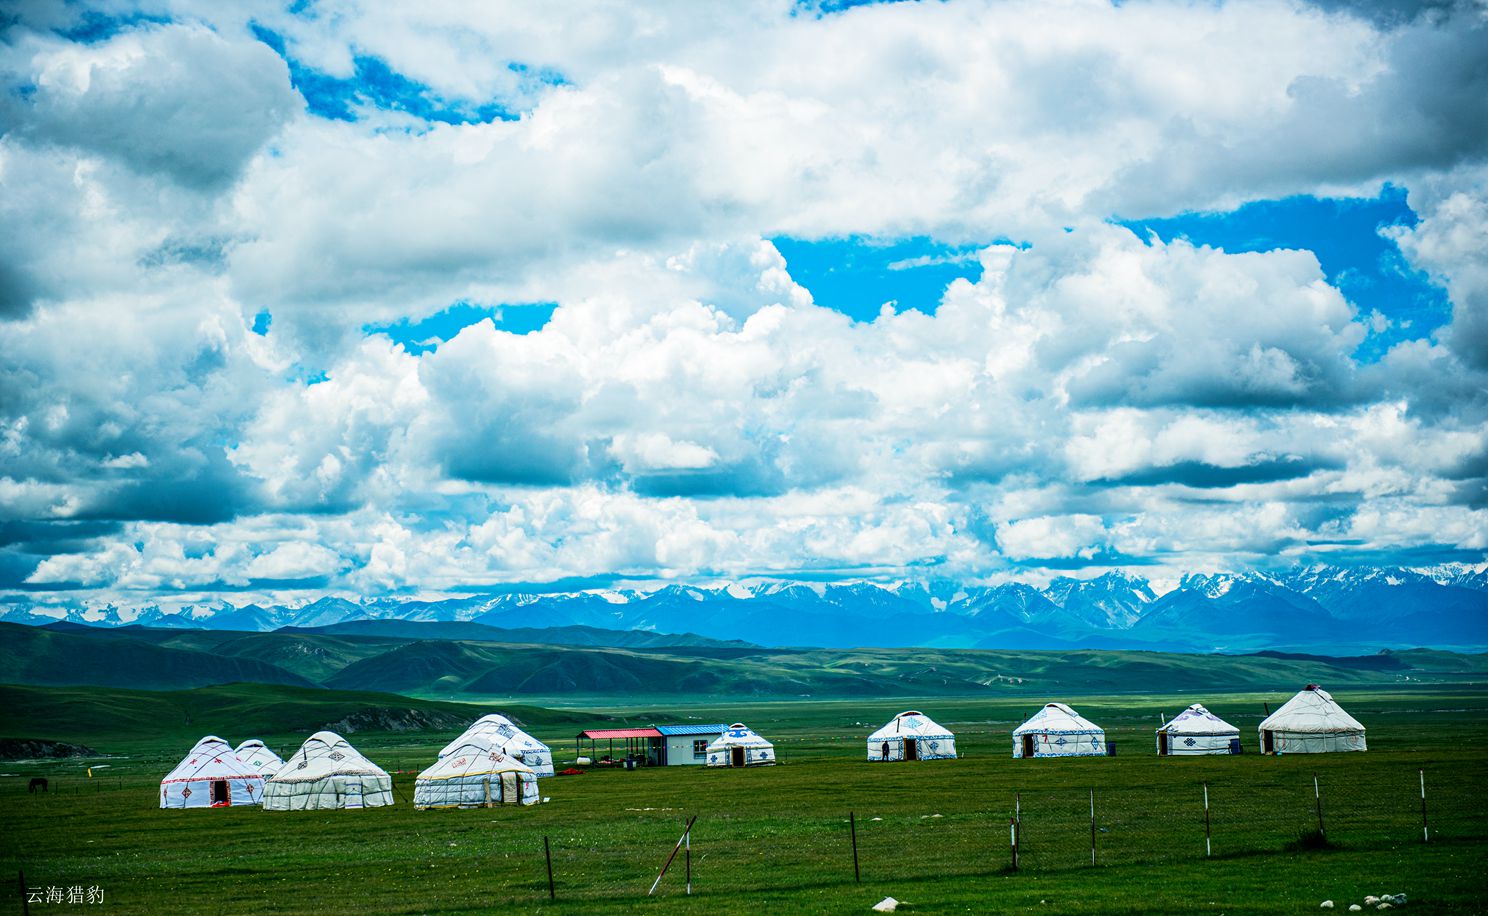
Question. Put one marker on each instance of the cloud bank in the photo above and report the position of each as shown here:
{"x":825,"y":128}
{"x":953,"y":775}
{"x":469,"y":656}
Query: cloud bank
{"x":213,"y":209}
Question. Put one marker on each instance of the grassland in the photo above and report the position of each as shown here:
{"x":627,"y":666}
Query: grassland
{"x":778,"y":838}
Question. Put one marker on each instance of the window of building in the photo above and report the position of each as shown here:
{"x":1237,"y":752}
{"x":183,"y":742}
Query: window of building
{"x":700,"y":749}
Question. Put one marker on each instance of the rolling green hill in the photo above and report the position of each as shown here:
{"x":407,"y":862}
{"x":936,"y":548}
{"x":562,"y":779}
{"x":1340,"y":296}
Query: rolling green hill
{"x":35,"y":655}
{"x":468,"y":669}
{"x":115,"y":718}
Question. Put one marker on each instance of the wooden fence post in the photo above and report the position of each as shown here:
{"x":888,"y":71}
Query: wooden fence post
{"x":852,"y":824}
{"x":686,"y":831}
{"x":1317,"y":793}
{"x":548,"y":854}
{"x":1092,"y":826}
{"x":1013,"y":839}
{"x":1425,"y":831}
{"x":1208,"y":849}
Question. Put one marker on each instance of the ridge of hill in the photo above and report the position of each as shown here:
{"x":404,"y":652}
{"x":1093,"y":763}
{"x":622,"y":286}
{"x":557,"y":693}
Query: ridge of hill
{"x":469,"y":669}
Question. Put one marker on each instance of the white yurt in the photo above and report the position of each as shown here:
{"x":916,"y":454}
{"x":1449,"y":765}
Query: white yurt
{"x":211,"y":776}
{"x":1196,"y":730}
{"x":912,"y":735}
{"x":259,"y":758}
{"x":739,"y":746}
{"x":475,"y":775}
{"x":327,"y":772}
{"x":1058,"y":731}
{"x":1311,"y":723}
{"x":510,"y":740}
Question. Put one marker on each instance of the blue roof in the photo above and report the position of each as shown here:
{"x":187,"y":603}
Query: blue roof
{"x":670,"y":730}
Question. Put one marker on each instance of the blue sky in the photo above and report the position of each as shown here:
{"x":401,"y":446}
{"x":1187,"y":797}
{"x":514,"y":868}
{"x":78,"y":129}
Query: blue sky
{"x":395,"y":302}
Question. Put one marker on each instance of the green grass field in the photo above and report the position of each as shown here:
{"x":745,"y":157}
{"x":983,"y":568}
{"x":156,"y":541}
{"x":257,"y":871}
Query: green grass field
{"x":778,"y":838}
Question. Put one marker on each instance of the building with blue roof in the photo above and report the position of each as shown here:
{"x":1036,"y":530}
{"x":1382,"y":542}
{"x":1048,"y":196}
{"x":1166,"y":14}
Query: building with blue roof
{"x":687,"y":745}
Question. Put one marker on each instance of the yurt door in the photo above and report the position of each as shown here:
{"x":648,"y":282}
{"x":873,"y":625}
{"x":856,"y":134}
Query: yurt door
{"x":738,"y":756}
{"x":1162,"y":744}
{"x":219,"y":792}
{"x":1027,"y":745}
{"x":1268,"y":743}
{"x":511,"y":793}
{"x":353,"y":797}
{"x":911,"y":749}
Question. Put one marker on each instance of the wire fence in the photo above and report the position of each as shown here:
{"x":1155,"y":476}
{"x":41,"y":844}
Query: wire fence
{"x":1028,"y":829}
{"x":1040,"y":831}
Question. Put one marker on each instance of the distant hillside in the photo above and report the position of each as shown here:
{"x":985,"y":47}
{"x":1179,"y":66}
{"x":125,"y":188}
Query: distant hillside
{"x":37,"y":655}
{"x":475,"y":669}
{"x":121,"y":717}
{"x":557,"y":636}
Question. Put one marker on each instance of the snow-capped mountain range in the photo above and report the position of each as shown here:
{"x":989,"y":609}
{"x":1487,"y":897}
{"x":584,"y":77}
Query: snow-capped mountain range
{"x":1317,"y":609}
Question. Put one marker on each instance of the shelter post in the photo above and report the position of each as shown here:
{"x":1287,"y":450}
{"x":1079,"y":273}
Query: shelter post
{"x":1317,"y":793}
{"x":1092,"y":826}
{"x":1208,"y":849}
{"x":852,"y":825}
{"x":548,"y":854}
{"x":1013,"y":839}
{"x":1425,"y":831}
{"x":688,"y":837}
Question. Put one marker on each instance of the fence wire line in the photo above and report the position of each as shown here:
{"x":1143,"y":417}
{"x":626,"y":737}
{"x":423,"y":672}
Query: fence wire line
{"x":1053,"y":831}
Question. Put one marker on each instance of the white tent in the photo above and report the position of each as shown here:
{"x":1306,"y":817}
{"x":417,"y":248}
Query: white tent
{"x":510,"y":740}
{"x":1058,"y":731}
{"x":912,"y":735}
{"x":1311,"y":723}
{"x":739,"y":746}
{"x":259,"y":758}
{"x":211,"y":776}
{"x":326,"y":772}
{"x":475,"y":775}
{"x":1196,"y":730}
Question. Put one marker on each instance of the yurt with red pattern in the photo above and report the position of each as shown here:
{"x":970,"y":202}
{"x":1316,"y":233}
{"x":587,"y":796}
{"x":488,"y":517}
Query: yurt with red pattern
{"x":211,"y":776}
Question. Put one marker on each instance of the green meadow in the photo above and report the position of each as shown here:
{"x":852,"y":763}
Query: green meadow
{"x":934,"y":835}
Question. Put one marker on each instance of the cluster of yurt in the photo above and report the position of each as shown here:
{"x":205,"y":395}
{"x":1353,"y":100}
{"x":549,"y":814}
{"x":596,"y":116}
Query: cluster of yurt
{"x":912,"y":735}
{"x":510,"y":740}
{"x":211,"y":776}
{"x":1058,"y":731}
{"x":739,"y":746}
{"x":477,"y":774}
{"x":493,"y":762}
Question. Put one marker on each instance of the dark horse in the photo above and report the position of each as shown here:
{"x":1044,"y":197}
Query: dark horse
{"x":38,"y":783}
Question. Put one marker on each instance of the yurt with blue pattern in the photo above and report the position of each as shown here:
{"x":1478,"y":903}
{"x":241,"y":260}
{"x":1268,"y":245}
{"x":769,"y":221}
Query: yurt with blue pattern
{"x":1058,"y":731}
{"x":1196,"y":730}
{"x":739,"y":746}
{"x":911,"y":735}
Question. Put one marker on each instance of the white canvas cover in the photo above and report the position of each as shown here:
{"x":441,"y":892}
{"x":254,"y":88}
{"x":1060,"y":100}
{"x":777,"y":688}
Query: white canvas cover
{"x":1058,"y":731}
{"x":211,"y":776}
{"x":912,"y":735}
{"x":1196,"y":730}
{"x":474,"y":775}
{"x":510,"y":740}
{"x":259,"y":758}
{"x":327,"y":772}
{"x":755,"y":751}
{"x":1311,"y":723}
